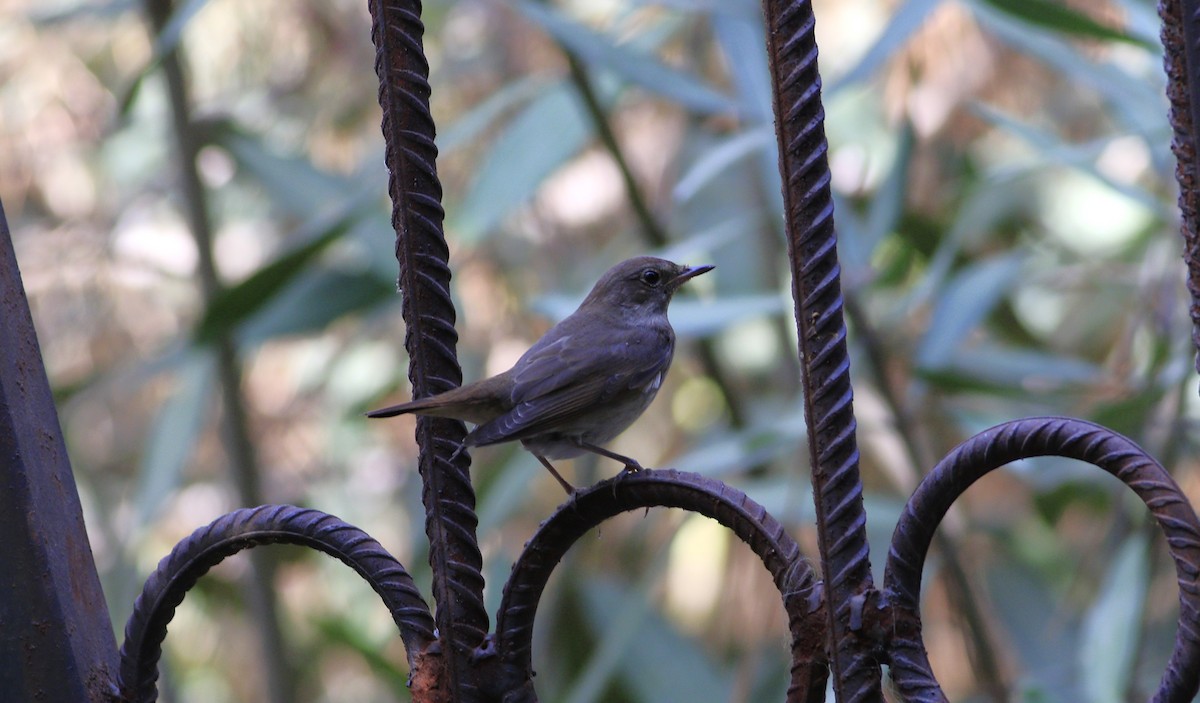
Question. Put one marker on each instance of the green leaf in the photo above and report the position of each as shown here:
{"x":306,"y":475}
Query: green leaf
{"x":905,"y":22}
{"x":1134,"y":99}
{"x":1051,"y":149}
{"x":637,"y":67}
{"x":714,"y":233}
{"x":547,"y":133}
{"x":1110,"y":644}
{"x":726,"y":453}
{"x":313,"y":300}
{"x":1040,"y":632}
{"x":1062,"y":484}
{"x":1129,"y":415}
{"x":339,"y":632}
{"x":962,"y":306}
{"x":164,"y":43}
{"x":1060,"y":17}
{"x":858,"y":242}
{"x":234,"y":305}
{"x":1003,"y":370}
{"x":484,"y":116}
{"x":645,"y":650}
{"x":47,"y":18}
{"x":293,"y":183}
{"x":744,"y":45}
{"x":173,"y":437}
{"x":742,"y":38}
{"x":715,"y":161}
{"x":984,"y":208}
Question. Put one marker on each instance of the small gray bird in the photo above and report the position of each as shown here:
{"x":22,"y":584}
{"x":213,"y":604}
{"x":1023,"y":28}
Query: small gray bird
{"x":586,"y":380}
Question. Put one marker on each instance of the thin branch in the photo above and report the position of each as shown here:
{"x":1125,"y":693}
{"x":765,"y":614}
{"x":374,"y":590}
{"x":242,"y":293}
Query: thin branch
{"x":234,"y":431}
{"x":978,"y":628}
{"x":652,"y":229}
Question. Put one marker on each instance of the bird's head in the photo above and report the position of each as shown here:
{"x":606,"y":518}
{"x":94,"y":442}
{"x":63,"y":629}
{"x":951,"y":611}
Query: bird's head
{"x":643,"y":285}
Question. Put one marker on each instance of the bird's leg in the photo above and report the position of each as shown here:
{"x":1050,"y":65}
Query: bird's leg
{"x":557,"y":477}
{"x":631,"y":465}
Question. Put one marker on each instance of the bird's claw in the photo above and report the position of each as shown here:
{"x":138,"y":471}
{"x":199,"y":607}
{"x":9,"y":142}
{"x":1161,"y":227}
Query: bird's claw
{"x":630,"y":468}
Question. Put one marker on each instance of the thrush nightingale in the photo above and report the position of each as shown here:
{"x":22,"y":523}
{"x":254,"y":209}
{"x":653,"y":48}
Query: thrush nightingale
{"x":586,"y":380}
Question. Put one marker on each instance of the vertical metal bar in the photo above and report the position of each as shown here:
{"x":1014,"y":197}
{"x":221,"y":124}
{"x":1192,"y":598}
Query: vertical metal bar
{"x":56,"y":640}
{"x":811,"y":239}
{"x":1181,"y":47}
{"x":430,"y":339}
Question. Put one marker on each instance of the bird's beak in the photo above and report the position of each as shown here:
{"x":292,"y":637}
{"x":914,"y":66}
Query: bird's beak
{"x":690,"y":273}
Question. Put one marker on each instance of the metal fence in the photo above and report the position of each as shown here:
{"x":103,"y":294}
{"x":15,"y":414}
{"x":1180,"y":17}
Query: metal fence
{"x":57,"y":640}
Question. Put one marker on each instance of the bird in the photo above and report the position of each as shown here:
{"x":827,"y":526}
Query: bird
{"x":585,"y":381}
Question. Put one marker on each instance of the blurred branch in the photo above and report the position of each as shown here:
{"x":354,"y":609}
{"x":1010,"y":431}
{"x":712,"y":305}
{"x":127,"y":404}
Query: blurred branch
{"x":653,"y":231}
{"x":235,"y":434}
{"x":650,"y":226}
{"x":960,"y":590}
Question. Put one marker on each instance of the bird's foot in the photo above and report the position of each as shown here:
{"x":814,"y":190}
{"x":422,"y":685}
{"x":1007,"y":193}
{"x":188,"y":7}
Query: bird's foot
{"x":631,"y":467}
{"x":566,"y":486}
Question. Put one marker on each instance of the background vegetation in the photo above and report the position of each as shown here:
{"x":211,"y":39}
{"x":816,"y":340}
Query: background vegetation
{"x":1008,"y":235}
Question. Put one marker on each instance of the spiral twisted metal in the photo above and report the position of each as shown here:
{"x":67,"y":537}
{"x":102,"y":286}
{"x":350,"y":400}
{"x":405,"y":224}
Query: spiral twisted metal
{"x":816,"y":289}
{"x":1022,"y":439}
{"x":430,"y":337}
{"x":1181,"y":60}
{"x":802,"y":598}
{"x":251,"y":527}
{"x":841,"y":624}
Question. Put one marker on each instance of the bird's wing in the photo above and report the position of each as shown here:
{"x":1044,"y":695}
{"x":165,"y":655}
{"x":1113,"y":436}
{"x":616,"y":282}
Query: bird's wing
{"x":561,"y":381}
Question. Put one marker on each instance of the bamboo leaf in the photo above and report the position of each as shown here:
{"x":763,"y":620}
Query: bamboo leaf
{"x":173,"y":437}
{"x":236,"y":304}
{"x":1109,"y":643}
{"x":1060,"y":17}
{"x":962,"y":306}
{"x":548,"y":132}
{"x":639,"y":68}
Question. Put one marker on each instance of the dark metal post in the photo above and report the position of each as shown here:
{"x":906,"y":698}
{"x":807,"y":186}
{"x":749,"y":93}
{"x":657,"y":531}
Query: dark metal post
{"x":56,"y":640}
{"x":428,"y":311}
{"x":825,"y":362}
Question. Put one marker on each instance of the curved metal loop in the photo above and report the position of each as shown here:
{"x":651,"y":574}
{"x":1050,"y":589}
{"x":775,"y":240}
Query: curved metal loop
{"x":251,"y":527}
{"x":1022,"y":439}
{"x":796,"y":581}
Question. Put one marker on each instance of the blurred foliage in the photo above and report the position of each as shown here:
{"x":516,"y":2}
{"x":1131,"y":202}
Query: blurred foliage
{"x":1009,"y":247}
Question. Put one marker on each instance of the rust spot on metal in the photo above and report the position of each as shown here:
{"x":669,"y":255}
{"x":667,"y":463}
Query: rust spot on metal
{"x":427,"y":681}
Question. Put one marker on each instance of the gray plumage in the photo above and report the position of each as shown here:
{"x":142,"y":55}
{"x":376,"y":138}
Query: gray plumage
{"x":586,"y":380}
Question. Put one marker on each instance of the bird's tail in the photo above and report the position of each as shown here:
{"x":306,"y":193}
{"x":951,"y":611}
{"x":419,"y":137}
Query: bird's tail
{"x":435,"y":405}
{"x":401,"y":409}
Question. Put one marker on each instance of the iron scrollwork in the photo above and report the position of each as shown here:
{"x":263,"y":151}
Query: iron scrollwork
{"x":1004,"y":444}
{"x":842,"y":627}
{"x":252,"y":527}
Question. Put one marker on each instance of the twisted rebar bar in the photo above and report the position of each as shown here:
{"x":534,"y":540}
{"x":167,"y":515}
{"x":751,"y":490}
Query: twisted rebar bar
{"x":430,"y":338}
{"x":816,"y":290}
{"x":251,"y":527}
{"x":1181,"y":60}
{"x":1022,"y":439}
{"x":672,"y":489}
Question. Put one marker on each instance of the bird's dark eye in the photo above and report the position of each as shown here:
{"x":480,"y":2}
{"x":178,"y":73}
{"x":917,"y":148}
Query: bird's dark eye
{"x":651,"y":277}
